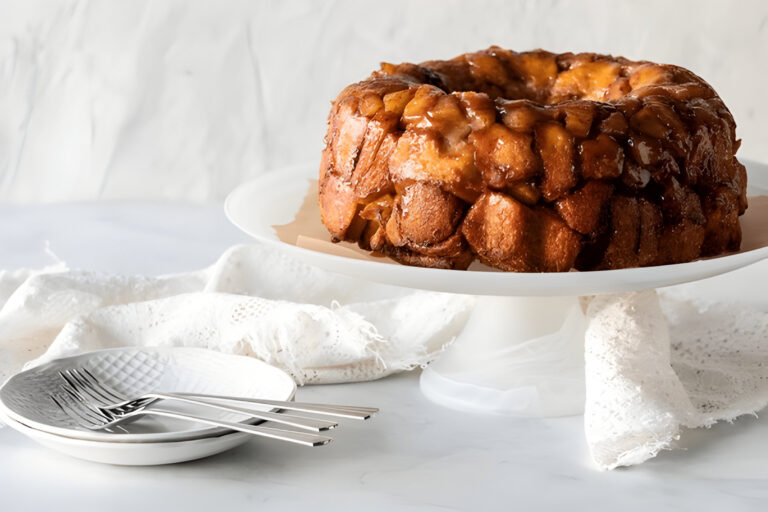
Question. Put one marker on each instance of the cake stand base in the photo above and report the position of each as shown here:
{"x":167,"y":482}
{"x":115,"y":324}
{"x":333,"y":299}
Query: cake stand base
{"x":517,"y":356}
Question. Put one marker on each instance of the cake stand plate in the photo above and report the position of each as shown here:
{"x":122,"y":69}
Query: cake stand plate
{"x":521,"y":352}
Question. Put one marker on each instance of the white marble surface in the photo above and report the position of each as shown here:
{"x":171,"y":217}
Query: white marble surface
{"x":185,"y":99}
{"x":413,"y":456}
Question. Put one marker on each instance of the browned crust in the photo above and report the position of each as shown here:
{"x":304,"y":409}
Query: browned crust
{"x":533,"y":162}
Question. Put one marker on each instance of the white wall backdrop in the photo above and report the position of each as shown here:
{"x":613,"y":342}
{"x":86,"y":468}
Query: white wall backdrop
{"x":185,"y":99}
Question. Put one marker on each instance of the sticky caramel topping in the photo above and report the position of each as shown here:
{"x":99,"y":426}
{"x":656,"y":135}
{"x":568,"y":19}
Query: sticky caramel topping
{"x":533,"y":161}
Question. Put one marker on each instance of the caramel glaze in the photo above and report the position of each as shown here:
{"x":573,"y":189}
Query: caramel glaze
{"x":533,"y":162}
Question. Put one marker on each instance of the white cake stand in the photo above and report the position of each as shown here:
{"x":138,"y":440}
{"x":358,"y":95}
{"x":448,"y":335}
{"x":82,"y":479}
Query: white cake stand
{"x":521,"y":352}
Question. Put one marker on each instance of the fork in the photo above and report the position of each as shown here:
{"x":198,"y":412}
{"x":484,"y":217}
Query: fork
{"x":82,"y":377}
{"x":92,"y":392}
{"x":95,"y":418}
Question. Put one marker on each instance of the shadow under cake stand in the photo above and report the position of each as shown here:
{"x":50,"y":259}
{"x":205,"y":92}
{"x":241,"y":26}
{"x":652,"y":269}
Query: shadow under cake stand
{"x":521,"y":351}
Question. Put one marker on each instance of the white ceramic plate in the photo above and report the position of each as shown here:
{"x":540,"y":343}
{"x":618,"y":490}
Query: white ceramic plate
{"x":274,"y":198}
{"x":25,"y":397}
{"x":132,"y":454}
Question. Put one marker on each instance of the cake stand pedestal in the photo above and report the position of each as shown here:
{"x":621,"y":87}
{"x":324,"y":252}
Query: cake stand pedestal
{"x":519,"y":356}
{"x":521,"y":352}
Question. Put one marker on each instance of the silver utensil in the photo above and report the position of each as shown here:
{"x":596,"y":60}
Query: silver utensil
{"x":86,"y":379}
{"x":85,"y":387}
{"x":96,"y":418}
{"x":341,"y":411}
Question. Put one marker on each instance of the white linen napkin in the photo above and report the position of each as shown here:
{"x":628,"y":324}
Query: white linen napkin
{"x":318,"y":326}
{"x":655,"y":364}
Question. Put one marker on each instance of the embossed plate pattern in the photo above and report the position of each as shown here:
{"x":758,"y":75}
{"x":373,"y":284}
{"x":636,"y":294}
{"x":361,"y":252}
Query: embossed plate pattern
{"x":134,"y":371}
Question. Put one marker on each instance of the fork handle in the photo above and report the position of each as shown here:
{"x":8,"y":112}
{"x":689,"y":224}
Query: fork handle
{"x":342,"y":411}
{"x":290,"y":436}
{"x":314,"y":424}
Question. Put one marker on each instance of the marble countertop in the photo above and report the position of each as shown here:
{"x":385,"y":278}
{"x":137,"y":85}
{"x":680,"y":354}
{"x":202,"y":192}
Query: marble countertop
{"x":414,"y":455}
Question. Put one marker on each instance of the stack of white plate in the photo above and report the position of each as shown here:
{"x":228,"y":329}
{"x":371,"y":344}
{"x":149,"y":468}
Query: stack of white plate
{"x":26,"y":404}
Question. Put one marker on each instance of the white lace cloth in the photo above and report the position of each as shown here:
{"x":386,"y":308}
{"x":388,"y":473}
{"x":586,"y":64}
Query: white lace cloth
{"x":318,"y":326}
{"x":653,"y":366}
{"x":657,"y":364}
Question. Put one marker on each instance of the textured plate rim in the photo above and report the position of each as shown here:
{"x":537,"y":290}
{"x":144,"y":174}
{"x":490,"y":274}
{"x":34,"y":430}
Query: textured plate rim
{"x":164,"y":437}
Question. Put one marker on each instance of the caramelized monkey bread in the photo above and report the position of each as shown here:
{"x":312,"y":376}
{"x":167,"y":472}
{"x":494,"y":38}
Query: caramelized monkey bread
{"x":533,"y":162}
